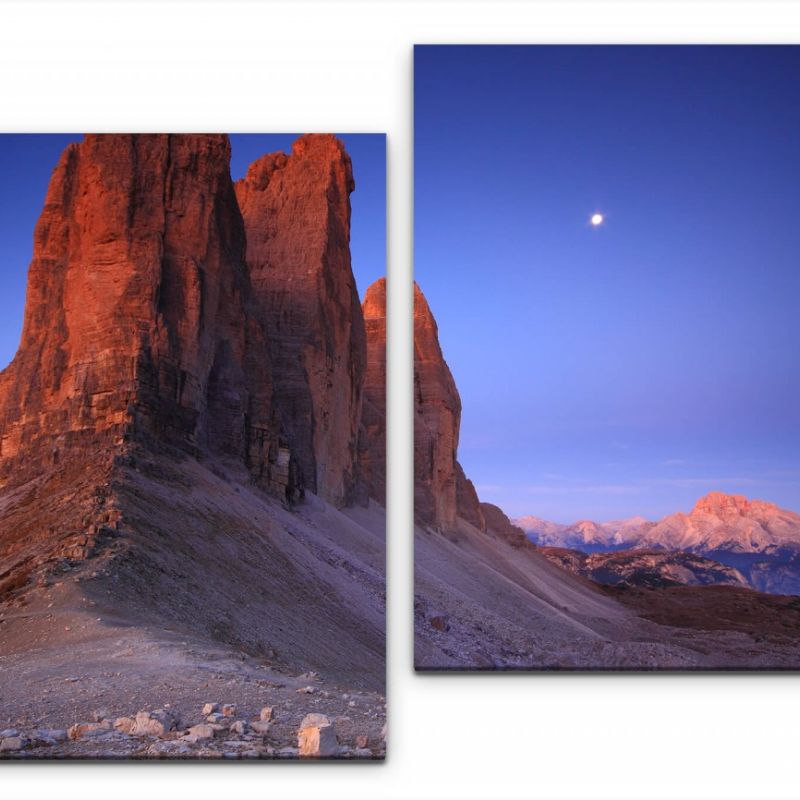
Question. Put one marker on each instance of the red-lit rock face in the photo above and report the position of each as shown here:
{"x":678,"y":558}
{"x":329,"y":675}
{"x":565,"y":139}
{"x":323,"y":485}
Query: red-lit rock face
{"x":719,"y":504}
{"x":138,"y":322}
{"x":296,"y":210}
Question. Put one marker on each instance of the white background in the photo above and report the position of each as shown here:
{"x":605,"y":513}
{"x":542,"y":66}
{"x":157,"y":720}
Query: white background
{"x":347,"y":66}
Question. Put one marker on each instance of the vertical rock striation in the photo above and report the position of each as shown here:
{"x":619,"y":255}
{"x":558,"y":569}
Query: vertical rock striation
{"x":296,"y":211}
{"x":372,"y":434}
{"x":437,"y":416}
{"x":138,"y":322}
{"x":442,"y":491}
{"x":139,"y":332}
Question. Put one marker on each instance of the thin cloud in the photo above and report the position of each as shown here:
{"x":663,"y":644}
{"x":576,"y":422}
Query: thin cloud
{"x":687,"y":483}
{"x":605,"y":488}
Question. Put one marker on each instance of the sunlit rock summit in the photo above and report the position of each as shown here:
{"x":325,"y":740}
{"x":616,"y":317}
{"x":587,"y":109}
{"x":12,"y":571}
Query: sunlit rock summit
{"x":755,"y":537}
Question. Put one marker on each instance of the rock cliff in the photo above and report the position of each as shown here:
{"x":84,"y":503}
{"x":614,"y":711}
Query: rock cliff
{"x":372,"y":434}
{"x":468,"y":506}
{"x":437,"y":417}
{"x":296,"y":211}
{"x":153,"y":328}
{"x":498,"y":524}
{"x":442,"y":490}
{"x":138,"y":324}
{"x":139,"y":332}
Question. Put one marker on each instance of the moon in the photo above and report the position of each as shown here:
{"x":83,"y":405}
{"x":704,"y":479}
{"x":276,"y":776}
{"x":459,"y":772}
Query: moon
{"x":596,"y":219}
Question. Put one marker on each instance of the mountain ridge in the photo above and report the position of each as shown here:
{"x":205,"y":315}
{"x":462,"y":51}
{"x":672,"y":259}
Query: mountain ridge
{"x":754,"y":536}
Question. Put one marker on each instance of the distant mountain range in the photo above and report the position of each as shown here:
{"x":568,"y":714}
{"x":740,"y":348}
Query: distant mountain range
{"x":757,"y":540}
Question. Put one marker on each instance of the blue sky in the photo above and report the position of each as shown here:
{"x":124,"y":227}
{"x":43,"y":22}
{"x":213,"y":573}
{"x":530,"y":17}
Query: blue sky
{"x":27,"y":161}
{"x":630,"y":368}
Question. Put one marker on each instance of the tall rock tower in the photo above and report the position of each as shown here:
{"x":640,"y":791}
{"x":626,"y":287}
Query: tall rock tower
{"x":139,"y":328}
{"x":296,"y":211}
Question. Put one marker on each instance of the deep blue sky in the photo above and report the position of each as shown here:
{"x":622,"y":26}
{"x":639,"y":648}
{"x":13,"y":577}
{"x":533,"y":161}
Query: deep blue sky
{"x":26,"y":163}
{"x":631,"y":368}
